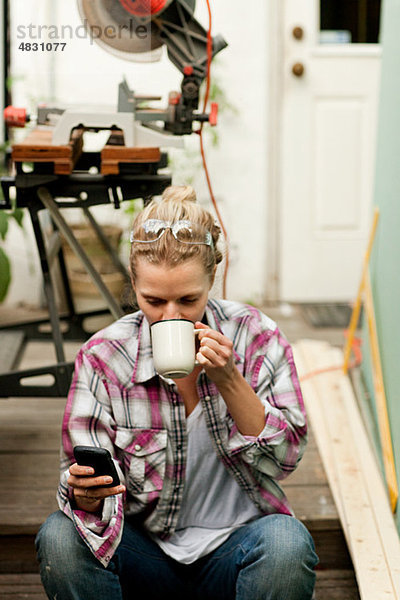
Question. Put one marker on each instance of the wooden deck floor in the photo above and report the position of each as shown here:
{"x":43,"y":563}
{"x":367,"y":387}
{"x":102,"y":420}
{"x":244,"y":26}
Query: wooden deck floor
{"x":29,"y":450}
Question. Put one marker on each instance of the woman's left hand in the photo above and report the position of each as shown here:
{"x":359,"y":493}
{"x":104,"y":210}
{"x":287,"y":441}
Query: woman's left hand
{"x":215,"y":354}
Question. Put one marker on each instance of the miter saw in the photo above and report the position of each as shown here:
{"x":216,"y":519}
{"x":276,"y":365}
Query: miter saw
{"x":137,"y":30}
{"x":61,"y":175}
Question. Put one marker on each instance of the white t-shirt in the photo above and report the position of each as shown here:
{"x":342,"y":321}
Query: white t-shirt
{"x":213,"y":505}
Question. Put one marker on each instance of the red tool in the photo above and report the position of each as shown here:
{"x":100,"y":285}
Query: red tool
{"x":15,"y":117}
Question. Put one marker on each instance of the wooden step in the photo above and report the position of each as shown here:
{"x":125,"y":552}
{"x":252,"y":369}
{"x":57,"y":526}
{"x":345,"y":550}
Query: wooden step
{"x":21,"y":587}
{"x":30,"y":435}
{"x":18,"y":554}
{"x":331,"y":585}
{"x":352,"y":468}
{"x":310,"y":496}
{"x":336,"y":585}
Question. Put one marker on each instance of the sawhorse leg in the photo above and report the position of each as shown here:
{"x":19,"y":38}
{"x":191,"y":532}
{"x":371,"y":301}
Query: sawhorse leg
{"x":63,"y":226}
{"x":62,"y":371}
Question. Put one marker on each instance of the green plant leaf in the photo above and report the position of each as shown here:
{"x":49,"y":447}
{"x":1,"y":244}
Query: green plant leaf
{"x":5,"y":274}
{"x":18,"y":215}
{"x":3,"y":224}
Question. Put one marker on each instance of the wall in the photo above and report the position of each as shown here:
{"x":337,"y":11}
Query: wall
{"x":386,"y":254}
{"x":85,"y":73}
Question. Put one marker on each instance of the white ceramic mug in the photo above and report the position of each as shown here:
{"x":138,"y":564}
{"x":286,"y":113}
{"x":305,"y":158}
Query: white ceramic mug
{"x":174,"y":347}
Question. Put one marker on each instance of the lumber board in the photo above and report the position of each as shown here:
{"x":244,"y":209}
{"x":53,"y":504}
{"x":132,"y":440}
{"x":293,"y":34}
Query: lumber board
{"x":349,"y":486}
{"x":374,"y":484}
{"x":352,"y":472}
{"x":317,"y":420}
{"x":112,"y":156}
{"x":37,"y":148}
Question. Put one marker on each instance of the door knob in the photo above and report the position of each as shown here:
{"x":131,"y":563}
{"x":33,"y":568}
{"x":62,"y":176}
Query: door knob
{"x":298,"y":69}
{"x":298,"y":33}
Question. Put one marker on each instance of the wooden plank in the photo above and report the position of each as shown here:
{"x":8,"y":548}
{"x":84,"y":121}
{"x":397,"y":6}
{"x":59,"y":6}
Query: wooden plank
{"x":21,"y":587}
{"x":318,"y":423}
{"x":340,"y":449}
{"x":33,"y":441}
{"x":331,"y":548}
{"x":35,"y":412}
{"x":331,"y":585}
{"x":336,"y":585}
{"x":29,"y":425}
{"x":374,"y":483}
{"x":37,"y":148}
{"x":356,"y":510}
{"x":312,"y":503}
{"x":39,"y":140}
{"x":14,"y":579}
{"x":32,"y":471}
{"x":112,"y":156}
{"x":24,"y":510}
{"x":24,"y":594}
{"x":30,"y":433}
{"x":131,"y":154}
{"x":309,"y":472}
{"x":18,"y":554}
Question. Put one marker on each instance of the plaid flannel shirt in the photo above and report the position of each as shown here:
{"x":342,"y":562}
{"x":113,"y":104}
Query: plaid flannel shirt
{"x":118,"y":401}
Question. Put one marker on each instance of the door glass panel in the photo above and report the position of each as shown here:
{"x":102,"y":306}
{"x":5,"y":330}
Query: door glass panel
{"x":349,"y":21}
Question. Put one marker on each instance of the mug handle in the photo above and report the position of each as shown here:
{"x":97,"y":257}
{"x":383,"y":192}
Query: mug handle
{"x":196,"y":362}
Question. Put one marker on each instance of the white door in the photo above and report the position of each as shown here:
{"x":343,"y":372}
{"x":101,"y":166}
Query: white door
{"x":328,"y":128}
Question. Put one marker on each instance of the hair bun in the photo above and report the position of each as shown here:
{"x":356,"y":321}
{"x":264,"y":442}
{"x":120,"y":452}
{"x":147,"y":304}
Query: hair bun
{"x":179,"y":193}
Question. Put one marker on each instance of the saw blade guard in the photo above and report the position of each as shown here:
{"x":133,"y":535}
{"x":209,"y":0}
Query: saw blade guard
{"x":127,"y":28}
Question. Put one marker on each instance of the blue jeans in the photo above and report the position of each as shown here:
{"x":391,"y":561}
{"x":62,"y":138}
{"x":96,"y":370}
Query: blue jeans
{"x":271,"y":558}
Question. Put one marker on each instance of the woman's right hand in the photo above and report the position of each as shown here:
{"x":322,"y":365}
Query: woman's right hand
{"x":88,"y":496}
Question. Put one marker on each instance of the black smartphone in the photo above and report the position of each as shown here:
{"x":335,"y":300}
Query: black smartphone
{"x":98,"y":458}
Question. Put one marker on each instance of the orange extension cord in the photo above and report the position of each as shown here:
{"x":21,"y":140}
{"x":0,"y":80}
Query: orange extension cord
{"x":202,"y":151}
{"x":356,"y":347}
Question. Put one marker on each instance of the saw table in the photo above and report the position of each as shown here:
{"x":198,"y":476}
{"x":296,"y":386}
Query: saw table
{"x":68,"y":177}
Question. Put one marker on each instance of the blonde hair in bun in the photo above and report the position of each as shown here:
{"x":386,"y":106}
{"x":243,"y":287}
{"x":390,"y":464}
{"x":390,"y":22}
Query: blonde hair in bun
{"x":179,"y":193}
{"x":178,"y":202}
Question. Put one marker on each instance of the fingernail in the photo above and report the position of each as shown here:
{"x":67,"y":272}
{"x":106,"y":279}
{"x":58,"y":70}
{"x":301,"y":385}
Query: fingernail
{"x":89,"y":471}
{"x":108,"y":479}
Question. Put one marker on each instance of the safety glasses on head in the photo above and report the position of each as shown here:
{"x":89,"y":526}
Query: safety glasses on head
{"x":183,"y":231}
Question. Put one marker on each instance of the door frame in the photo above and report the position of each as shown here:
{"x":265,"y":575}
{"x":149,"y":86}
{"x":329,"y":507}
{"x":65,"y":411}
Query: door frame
{"x":274,"y":166}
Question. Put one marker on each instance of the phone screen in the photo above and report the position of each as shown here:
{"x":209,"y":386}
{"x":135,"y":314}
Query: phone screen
{"x":98,"y":458}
